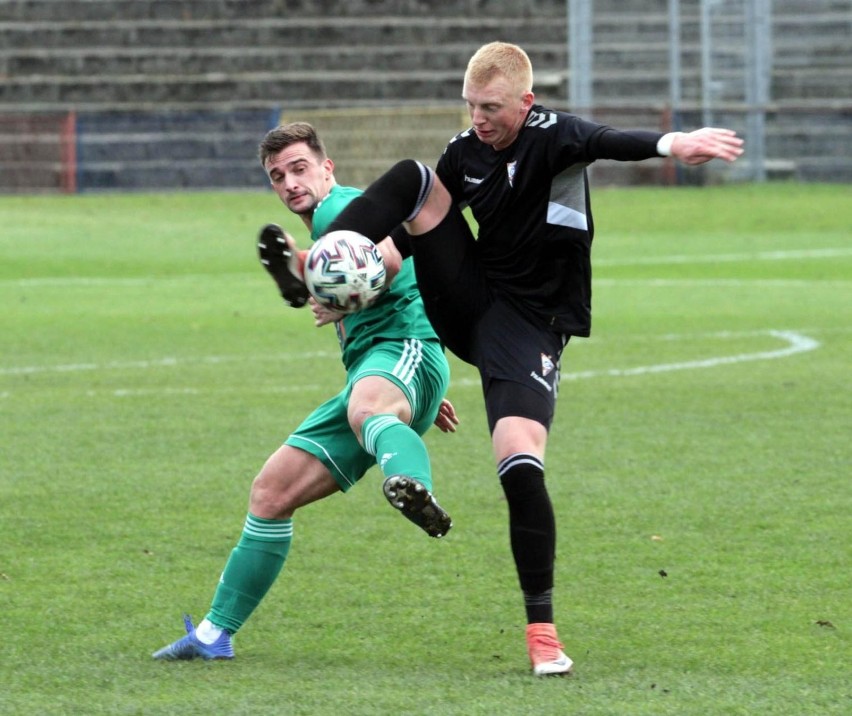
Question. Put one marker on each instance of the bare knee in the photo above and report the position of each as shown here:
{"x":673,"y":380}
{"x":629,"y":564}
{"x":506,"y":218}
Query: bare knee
{"x":375,"y":395}
{"x":357,"y":417}
{"x":269,"y":497}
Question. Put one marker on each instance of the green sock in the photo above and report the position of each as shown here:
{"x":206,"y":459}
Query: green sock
{"x":398,"y":449}
{"x":251,"y":570}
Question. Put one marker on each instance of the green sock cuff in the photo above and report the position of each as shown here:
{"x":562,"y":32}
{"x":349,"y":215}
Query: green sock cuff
{"x":373,"y":428}
{"x":265,"y":530}
{"x":397,"y":447}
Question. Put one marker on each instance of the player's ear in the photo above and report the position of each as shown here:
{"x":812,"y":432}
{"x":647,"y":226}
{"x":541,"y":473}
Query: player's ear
{"x":328,"y":165}
{"x":527,"y":100}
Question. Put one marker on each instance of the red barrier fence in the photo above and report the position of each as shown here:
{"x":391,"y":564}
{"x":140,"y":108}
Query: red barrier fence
{"x":38,"y":153}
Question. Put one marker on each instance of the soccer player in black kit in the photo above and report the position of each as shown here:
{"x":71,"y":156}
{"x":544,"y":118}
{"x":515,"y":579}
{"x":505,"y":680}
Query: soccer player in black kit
{"x":509,"y":302}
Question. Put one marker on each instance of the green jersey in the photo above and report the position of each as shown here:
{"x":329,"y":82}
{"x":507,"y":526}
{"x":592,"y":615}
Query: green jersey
{"x":398,"y":313}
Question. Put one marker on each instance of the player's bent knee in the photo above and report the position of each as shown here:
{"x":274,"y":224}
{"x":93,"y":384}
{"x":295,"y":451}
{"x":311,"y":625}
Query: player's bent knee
{"x":268,"y":498}
{"x":408,"y":184}
{"x":433,"y":211}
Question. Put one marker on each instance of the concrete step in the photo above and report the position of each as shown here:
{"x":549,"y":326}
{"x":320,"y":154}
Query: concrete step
{"x":652,"y":57}
{"x":277,"y":32}
{"x":342,"y":88}
{"x":377,"y":30}
{"x":228,"y":92}
{"x":114,"y":10}
{"x":117,"y":61}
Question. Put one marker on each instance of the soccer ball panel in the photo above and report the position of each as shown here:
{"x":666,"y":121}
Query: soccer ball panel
{"x":344,"y":271}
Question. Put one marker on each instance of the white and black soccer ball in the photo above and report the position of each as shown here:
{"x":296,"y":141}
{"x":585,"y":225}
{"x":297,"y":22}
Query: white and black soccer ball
{"x":344,"y":271}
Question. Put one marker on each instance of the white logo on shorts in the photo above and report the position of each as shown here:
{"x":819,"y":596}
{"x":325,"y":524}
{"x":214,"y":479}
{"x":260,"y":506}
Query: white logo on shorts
{"x":535,"y":376}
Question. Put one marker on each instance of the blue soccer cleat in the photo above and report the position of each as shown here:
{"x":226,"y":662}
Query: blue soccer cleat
{"x":189,"y":647}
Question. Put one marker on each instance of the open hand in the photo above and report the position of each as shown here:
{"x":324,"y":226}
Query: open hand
{"x":322,"y":315}
{"x":447,"y":419}
{"x":705,"y":144}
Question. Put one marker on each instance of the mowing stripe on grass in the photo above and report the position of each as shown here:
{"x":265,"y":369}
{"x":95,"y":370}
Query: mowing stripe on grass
{"x":713,"y":258}
{"x":87,"y":281}
{"x":159,"y":363}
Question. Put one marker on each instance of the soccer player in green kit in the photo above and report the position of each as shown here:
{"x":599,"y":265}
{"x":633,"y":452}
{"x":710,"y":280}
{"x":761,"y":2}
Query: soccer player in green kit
{"x":397,"y":376}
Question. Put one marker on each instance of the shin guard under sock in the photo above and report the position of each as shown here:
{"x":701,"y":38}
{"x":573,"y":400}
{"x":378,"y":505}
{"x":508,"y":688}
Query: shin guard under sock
{"x":532,"y":531}
{"x":398,"y":449}
{"x":251,"y":570}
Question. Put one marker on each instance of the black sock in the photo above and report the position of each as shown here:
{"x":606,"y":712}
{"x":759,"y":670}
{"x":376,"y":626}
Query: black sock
{"x":396,"y":196}
{"x":539,"y":607}
{"x":532,"y":531}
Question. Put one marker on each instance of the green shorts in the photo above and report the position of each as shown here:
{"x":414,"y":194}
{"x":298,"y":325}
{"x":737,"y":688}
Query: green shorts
{"x":418,"y":368}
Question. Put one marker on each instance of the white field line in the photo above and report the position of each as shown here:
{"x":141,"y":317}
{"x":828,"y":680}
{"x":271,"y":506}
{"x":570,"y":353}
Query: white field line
{"x":723,"y":282}
{"x":88,"y":281}
{"x":794,"y":342}
{"x":158,"y":363}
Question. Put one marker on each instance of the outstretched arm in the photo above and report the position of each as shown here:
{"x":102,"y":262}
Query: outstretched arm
{"x":634,"y":145}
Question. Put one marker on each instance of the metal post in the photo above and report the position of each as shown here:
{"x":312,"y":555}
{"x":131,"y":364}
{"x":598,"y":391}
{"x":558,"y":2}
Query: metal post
{"x":674,"y":79}
{"x":758,"y":77}
{"x":706,"y":63}
{"x":674,"y":63}
{"x":580,"y":99}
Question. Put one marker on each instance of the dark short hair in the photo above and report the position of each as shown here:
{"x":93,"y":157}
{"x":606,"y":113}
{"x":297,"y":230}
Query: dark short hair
{"x":286,"y":134}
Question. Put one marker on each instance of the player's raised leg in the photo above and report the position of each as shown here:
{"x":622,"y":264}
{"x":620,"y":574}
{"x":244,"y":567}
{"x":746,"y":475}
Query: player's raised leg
{"x":395,"y":399}
{"x":409,"y":192}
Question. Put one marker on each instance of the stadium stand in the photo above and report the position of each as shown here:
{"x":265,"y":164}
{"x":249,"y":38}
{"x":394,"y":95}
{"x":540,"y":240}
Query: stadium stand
{"x":134,"y":94}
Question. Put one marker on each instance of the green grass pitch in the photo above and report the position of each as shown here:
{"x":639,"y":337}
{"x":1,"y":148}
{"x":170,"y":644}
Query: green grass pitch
{"x":699,"y":466}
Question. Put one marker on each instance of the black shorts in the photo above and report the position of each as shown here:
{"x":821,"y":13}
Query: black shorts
{"x":517,"y":356}
{"x":519,"y":364}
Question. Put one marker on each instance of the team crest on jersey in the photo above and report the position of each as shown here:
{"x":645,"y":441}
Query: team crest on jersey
{"x":510,"y":170}
{"x":547,"y":364}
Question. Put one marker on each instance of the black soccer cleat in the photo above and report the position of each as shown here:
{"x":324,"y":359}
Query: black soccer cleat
{"x":278,"y":256}
{"x":416,"y":502}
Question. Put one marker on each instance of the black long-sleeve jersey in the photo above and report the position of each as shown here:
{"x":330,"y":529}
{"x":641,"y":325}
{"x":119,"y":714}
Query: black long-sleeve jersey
{"x":531,"y":201}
